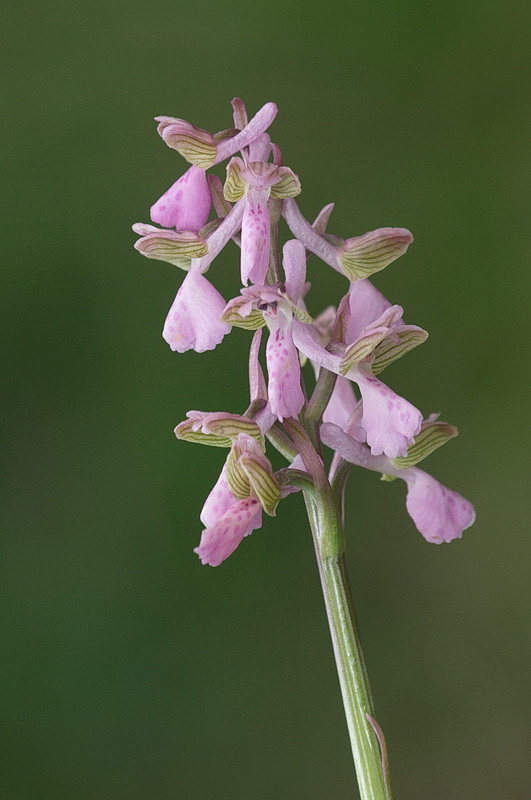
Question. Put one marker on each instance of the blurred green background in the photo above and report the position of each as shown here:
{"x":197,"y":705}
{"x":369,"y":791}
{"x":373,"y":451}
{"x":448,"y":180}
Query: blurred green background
{"x":131,"y":671}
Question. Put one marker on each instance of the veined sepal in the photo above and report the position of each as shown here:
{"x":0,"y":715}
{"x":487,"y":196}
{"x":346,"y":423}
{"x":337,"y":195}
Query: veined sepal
{"x":262,"y":482}
{"x":401,"y":341}
{"x":195,"y":144}
{"x":217,"y":429}
{"x":175,"y":247}
{"x":282,"y":181}
{"x":364,"y":255}
{"x":250,"y":320}
{"x":288,"y":184}
{"x":249,"y":472}
{"x":432,"y":436}
{"x":362,"y":348}
{"x":235,"y":185}
{"x":299,"y":313}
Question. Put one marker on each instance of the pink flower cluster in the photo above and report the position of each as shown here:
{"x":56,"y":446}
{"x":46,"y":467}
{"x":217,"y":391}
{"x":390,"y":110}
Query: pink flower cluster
{"x":370,"y":426}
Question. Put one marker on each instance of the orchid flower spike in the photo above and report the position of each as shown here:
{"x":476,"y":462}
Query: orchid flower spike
{"x":363,"y":419}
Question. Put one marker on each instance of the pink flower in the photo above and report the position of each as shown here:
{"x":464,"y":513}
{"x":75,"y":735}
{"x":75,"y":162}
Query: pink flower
{"x":390,"y":421}
{"x":440,"y":514}
{"x":193,"y":321}
{"x":257,"y":181}
{"x":222,"y":538}
{"x":278,"y":303}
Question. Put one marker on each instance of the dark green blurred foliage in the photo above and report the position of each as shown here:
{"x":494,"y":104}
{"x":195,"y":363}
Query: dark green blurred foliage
{"x":130,"y":671}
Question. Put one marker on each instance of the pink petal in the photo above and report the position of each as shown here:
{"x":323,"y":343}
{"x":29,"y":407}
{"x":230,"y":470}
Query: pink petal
{"x":439,"y":513}
{"x":366,"y":305}
{"x":255,"y":128}
{"x":193,"y":320}
{"x":186,"y":205}
{"x":285,"y":393}
{"x":223,"y":537}
{"x":218,"y":501}
{"x":341,"y":404}
{"x":391,"y":421}
{"x":256,"y":227}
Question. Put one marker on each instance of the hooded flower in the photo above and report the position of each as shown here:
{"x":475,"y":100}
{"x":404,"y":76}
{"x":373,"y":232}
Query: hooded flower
{"x":227,"y":521}
{"x":390,"y":421}
{"x":440,"y":514}
{"x":233,"y":509}
{"x":186,"y":204}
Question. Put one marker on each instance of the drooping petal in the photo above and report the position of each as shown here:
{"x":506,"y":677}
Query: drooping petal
{"x":439,"y":513}
{"x":256,"y":228}
{"x":391,"y":421}
{"x":186,"y":204}
{"x":284,"y":389}
{"x":218,"y":501}
{"x":193,"y":321}
{"x":221,"y":539}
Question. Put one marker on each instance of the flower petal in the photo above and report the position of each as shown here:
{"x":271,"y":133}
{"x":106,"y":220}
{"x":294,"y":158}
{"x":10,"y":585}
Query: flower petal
{"x":391,"y":421}
{"x":186,"y":204}
{"x":220,"y":540}
{"x":367,"y":304}
{"x":193,"y":321}
{"x":284,"y":390}
{"x":342,"y":403}
{"x":218,"y":501}
{"x":439,"y":513}
{"x":256,"y":227}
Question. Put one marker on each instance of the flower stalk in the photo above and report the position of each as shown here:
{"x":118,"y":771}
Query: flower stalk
{"x":353,"y":679}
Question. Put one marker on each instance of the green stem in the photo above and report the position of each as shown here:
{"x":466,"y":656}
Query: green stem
{"x":329,"y":545}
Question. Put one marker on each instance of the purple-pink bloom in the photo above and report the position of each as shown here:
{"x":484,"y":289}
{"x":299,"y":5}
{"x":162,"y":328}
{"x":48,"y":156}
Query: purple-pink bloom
{"x":218,"y":501}
{"x":390,"y":421}
{"x":227,"y":521}
{"x":186,"y":204}
{"x":440,"y":514}
{"x":222,"y":538}
{"x":193,"y":321}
